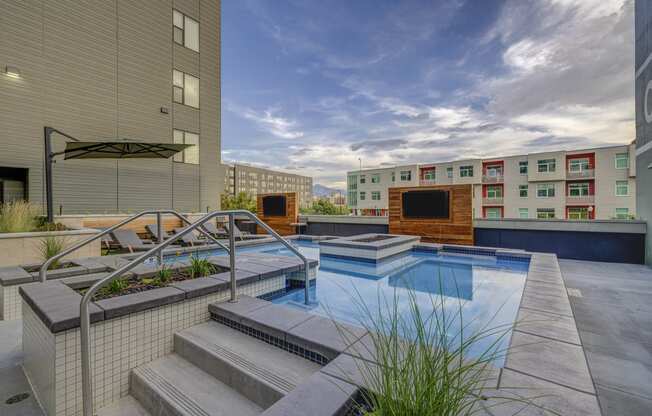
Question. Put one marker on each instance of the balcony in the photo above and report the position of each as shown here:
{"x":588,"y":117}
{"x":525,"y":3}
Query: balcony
{"x":580,"y":200}
{"x":580,"y":174}
{"x":427,"y":182}
{"x":492,"y":201}
{"x":493,"y":178}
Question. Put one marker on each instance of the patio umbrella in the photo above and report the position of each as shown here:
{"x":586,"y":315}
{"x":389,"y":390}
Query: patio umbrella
{"x":111,"y":149}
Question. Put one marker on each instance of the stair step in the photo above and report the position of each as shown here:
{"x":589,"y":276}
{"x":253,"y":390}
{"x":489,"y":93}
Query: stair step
{"x":174,"y":386}
{"x":261,"y":372}
{"x":125,"y":406}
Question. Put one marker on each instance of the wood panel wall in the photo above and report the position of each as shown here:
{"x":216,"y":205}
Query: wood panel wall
{"x":169,"y":223}
{"x":281,"y":225}
{"x":457,"y":229}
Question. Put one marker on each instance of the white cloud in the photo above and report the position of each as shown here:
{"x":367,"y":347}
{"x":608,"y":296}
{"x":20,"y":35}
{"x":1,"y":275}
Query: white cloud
{"x":275,"y":125}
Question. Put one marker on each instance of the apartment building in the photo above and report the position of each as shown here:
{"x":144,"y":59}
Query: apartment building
{"x":255,"y":180}
{"x":584,"y":184}
{"x":100,"y":70}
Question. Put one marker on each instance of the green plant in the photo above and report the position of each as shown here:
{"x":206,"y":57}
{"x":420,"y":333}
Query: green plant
{"x":423,"y":364}
{"x":199,"y":267}
{"x":164,"y":274}
{"x":115,"y":287}
{"x":242,"y":200}
{"x":325,"y":207}
{"x":49,"y":247}
{"x":18,"y":216}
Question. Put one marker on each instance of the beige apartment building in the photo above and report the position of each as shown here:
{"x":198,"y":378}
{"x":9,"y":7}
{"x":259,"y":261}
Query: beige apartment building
{"x":99,"y":70}
{"x":595,"y":183}
{"x":254,"y":180}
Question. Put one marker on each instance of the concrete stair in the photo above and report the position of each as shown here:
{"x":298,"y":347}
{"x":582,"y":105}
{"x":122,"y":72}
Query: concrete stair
{"x":216,"y":370}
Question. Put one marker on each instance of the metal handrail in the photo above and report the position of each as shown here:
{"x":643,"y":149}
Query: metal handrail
{"x":75,"y":247}
{"x":87,"y":384}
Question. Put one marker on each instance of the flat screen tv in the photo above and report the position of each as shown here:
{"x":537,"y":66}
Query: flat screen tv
{"x":274,"y":206}
{"x":427,"y":204}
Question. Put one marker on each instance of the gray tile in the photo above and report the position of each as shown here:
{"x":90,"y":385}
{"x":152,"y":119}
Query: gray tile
{"x":242,"y":277}
{"x":325,"y":336}
{"x":200,"y":286}
{"x":559,"y":327}
{"x":275,"y":320}
{"x":354,"y":371}
{"x":235,"y":310}
{"x":320,"y":395}
{"x":13,"y":382}
{"x":136,"y":302}
{"x":11,"y":346}
{"x":550,"y":360}
{"x":618,"y":403}
{"x":550,"y":304}
{"x":14,"y":275}
{"x":520,"y":394}
{"x":621,"y":374}
{"x":545,"y":288}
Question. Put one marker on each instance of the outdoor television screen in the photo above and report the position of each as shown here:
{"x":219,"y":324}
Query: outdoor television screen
{"x":425,"y":204}
{"x":274,"y":206}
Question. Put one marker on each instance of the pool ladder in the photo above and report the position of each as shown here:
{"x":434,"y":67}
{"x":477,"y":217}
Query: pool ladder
{"x":157,"y":250}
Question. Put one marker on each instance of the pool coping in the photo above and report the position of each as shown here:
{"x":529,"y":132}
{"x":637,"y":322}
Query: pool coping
{"x":545,"y":354}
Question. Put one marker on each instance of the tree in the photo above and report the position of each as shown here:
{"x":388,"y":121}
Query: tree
{"x":325,"y":207}
{"x":242,"y":200}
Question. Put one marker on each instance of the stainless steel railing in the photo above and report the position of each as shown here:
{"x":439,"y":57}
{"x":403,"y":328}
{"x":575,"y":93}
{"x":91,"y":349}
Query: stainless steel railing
{"x":87,"y":384}
{"x":159,"y":229}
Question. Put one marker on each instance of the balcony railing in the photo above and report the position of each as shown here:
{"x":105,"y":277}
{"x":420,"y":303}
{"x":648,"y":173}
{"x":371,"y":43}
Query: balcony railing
{"x":493,"y":178}
{"x":492,"y":201}
{"x":426,"y":182}
{"x":580,"y":174}
{"x":580,"y":200}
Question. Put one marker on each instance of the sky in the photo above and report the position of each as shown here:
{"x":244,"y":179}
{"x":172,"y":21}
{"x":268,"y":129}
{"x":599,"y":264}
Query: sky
{"x":312,"y":86}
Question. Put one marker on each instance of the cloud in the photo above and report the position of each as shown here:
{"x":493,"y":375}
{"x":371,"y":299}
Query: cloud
{"x":269,"y":122}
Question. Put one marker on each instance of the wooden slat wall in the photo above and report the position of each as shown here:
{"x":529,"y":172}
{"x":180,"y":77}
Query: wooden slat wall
{"x":280,"y":224}
{"x":169,"y":224}
{"x":456,"y":230}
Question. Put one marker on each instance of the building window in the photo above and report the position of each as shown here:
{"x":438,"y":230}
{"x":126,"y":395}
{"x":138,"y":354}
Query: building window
{"x":545,"y":190}
{"x":449,"y":172}
{"x":578,"y":213}
{"x":185,"y":89}
{"x":353,"y":198}
{"x":522,"y":191}
{"x":190,"y":154}
{"x":622,"y":214}
{"x":522,"y":167}
{"x":622,"y":188}
{"x":363,"y":179}
{"x":406,"y":175}
{"x":494,"y":192}
{"x":523,"y":213}
{"x":375,"y":195}
{"x":622,"y":160}
{"x":186,"y":31}
{"x":547,"y":165}
{"x":578,"y":165}
{"x":375,"y":178}
{"x":578,"y":189}
{"x":429,"y":175}
{"x":466,"y":171}
{"x":363,"y":195}
{"x":492,"y":213}
{"x":393,"y":176}
{"x":545,"y":213}
{"x":494,"y":171}
{"x":352,"y":182}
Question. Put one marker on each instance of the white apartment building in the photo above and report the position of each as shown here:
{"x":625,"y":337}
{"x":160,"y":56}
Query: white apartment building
{"x":584,"y":184}
{"x":254,"y":180}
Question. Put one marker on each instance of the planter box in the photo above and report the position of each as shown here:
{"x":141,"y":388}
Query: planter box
{"x":24,"y":248}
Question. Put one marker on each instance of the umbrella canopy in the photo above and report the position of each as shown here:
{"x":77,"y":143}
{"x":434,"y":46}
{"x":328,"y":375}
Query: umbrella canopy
{"x":121,"y":150}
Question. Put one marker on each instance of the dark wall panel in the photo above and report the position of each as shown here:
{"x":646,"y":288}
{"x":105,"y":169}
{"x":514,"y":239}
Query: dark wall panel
{"x":592,"y":246}
{"x":343,"y":230}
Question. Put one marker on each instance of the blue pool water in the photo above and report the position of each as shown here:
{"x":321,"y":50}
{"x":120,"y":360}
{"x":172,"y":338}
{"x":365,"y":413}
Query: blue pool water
{"x":487,"y":291}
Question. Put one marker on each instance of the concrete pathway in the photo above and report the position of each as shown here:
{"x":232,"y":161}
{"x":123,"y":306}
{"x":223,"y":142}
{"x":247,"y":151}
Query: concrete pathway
{"x":12,"y":379}
{"x":612,"y":304}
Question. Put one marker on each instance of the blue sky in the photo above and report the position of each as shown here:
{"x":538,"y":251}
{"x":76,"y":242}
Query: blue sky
{"x":311,"y":86}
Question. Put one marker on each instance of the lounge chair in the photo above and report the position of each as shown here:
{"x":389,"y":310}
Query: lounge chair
{"x":190,"y":239}
{"x":152,"y":230}
{"x":129,"y":240}
{"x":214,"y":231}
{"x":242,"y":235}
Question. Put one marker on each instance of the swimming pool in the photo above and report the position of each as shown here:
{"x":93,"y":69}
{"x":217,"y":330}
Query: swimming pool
{"x":485,"y":289}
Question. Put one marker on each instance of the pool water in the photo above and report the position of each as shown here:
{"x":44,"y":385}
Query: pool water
{"x":486,"y":290}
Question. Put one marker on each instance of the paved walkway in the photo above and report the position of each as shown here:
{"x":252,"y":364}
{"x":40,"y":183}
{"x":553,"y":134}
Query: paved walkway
{"x":612,"y":304}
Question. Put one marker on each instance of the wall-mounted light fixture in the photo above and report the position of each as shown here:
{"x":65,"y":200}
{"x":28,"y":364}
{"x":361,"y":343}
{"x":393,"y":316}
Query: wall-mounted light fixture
{"x":12,"y":71}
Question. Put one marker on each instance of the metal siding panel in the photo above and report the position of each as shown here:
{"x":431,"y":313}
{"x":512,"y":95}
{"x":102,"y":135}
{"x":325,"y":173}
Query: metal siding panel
{"x":186,"y":187}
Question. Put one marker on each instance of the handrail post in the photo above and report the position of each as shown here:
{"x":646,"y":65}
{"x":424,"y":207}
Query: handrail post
{"x":234,"y":294}
{"x":159,"y":237}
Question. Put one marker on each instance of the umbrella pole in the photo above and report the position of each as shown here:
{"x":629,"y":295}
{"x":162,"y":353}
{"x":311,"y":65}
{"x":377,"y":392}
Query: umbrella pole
{"x":47,"y":133}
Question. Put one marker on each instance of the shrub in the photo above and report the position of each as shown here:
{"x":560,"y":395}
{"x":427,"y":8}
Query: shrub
{"x":199,"y":267}
{"x":115,"y":287}
{"x":50,"y":246}
{"x":18,"y":217}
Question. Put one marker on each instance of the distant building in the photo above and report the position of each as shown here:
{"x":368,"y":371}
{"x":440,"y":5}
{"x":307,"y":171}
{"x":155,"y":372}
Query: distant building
{"x":584,"y":184}
{"x":336,"y":198}
{"x":254,"y":180}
